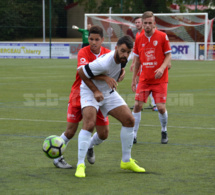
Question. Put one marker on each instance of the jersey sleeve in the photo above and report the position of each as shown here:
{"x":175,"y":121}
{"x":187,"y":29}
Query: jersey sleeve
{"x":81,"y":30}
{"x":135,"y":50}
{"x":167,"y":47}
{"x":82,"y":59}
{"x":94,"y":68}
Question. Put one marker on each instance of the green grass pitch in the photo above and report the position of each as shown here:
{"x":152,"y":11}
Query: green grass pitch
{"x":33,"y":105}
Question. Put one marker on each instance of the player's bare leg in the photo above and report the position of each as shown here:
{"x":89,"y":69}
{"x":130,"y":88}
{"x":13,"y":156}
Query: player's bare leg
{"x":71,"y":130}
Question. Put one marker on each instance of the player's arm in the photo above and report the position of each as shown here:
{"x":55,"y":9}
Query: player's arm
{"x":132,"y":65}
{"x":169,"y":66}
{"x":97,"y":94}
{"x":75,"y":27}
{"x":136,"y":69}
{"x":122,"y":75}
{"x":167,"y":60}
{"x":110,"y":81}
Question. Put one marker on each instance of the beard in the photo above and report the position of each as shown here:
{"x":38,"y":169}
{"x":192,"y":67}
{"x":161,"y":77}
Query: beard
{"x":148,"y":30}
{"x":122,"y":60}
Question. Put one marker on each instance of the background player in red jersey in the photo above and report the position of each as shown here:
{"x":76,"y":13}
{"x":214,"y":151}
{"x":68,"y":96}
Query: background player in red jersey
{"x":152,"y":50}
{"x":74,"y":116}
{"x":139,"y":26}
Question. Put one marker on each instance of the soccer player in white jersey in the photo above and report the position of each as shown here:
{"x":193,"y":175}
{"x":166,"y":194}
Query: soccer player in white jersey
{"x":98,"y":95}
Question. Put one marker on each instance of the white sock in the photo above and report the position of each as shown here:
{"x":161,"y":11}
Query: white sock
{"x":95,"y":140}
{"x":66,"y":142}
{"x":152,"y":100}
{"x":65,"y":138}
{"x":83,"y":145}
{"x":163,"y":120}
{"x":127,"y":136}
{"x":137,"y":117}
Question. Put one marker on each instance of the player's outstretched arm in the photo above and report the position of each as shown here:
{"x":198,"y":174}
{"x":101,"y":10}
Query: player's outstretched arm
{"x":97,"y":94}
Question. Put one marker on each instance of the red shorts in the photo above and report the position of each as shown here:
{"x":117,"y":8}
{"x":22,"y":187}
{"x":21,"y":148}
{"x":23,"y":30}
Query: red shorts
{"x":74,"y":115}
{"x":159,"y":92}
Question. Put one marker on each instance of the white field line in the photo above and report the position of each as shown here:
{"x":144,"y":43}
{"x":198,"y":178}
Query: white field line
{"x":32,"y":77}
{"x":145,"y":125}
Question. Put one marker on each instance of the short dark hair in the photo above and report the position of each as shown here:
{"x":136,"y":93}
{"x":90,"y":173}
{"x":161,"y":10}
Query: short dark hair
{"x":138,"y":17}
{"x":125,"y":40}
{"x":96,"y":30}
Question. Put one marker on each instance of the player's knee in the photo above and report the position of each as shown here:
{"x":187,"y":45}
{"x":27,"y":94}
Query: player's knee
{"x":137,"y":107}
{"x":129,"y":121}
{"x":161,"y":108}
{"x":70,"y":132}
{"x":102,"y":132}
{"x":103,"y":136}
{"x":162,"y":111}
{"x":89,"y":125}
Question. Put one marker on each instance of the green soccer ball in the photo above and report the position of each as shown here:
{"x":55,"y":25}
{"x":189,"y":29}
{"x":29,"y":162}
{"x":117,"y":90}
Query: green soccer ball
{"x":54,"y":146}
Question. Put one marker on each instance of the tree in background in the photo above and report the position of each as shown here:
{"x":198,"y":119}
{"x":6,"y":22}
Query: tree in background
{"x":21,"y":19}
{"x":124,"y":6}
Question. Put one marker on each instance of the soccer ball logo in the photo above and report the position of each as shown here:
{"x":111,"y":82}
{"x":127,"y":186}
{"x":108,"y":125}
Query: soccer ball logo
{"x":54,"y":146}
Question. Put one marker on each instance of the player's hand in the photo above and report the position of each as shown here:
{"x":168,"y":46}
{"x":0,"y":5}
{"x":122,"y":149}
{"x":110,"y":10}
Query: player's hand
{"x":137,"y":80}
{"x":159,"y":73}
{"x":111,"y":82}
{"x":132,"y":67}
{"x":75,"y":27}
{"x":98,"y":95}
{"x":133,"y":86}
{"x":122,"y":75}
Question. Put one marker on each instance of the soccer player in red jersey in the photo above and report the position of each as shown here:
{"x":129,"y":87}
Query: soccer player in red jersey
{"x":153,"y":52}
{"x":139,"y":26}
{"x":74,"y":115}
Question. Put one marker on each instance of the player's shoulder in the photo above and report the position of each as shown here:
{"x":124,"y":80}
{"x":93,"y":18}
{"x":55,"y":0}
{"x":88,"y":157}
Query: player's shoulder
{"x":140,"y":33}
{"x":139,"y":37}
{"x":84,"y":52}
{"x":160,"y":33}
{"x":104,"y":50}
{"x":84,"y":49}
{"x":108,"y":54}
{"x":106,"y":58}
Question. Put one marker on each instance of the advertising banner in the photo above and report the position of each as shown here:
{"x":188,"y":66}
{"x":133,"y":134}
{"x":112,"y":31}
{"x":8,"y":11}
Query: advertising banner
{"x":183,"y":50}
{"x":34,"y":50}
{"x":180,"y":50}
{"x":210,"y":51}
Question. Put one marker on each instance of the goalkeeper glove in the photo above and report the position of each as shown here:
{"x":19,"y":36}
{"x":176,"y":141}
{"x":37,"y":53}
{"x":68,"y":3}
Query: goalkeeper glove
{"x":75,"y":27}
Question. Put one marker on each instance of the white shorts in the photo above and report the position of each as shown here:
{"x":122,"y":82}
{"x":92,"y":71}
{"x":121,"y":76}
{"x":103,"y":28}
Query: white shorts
{"x":111,"y":101}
